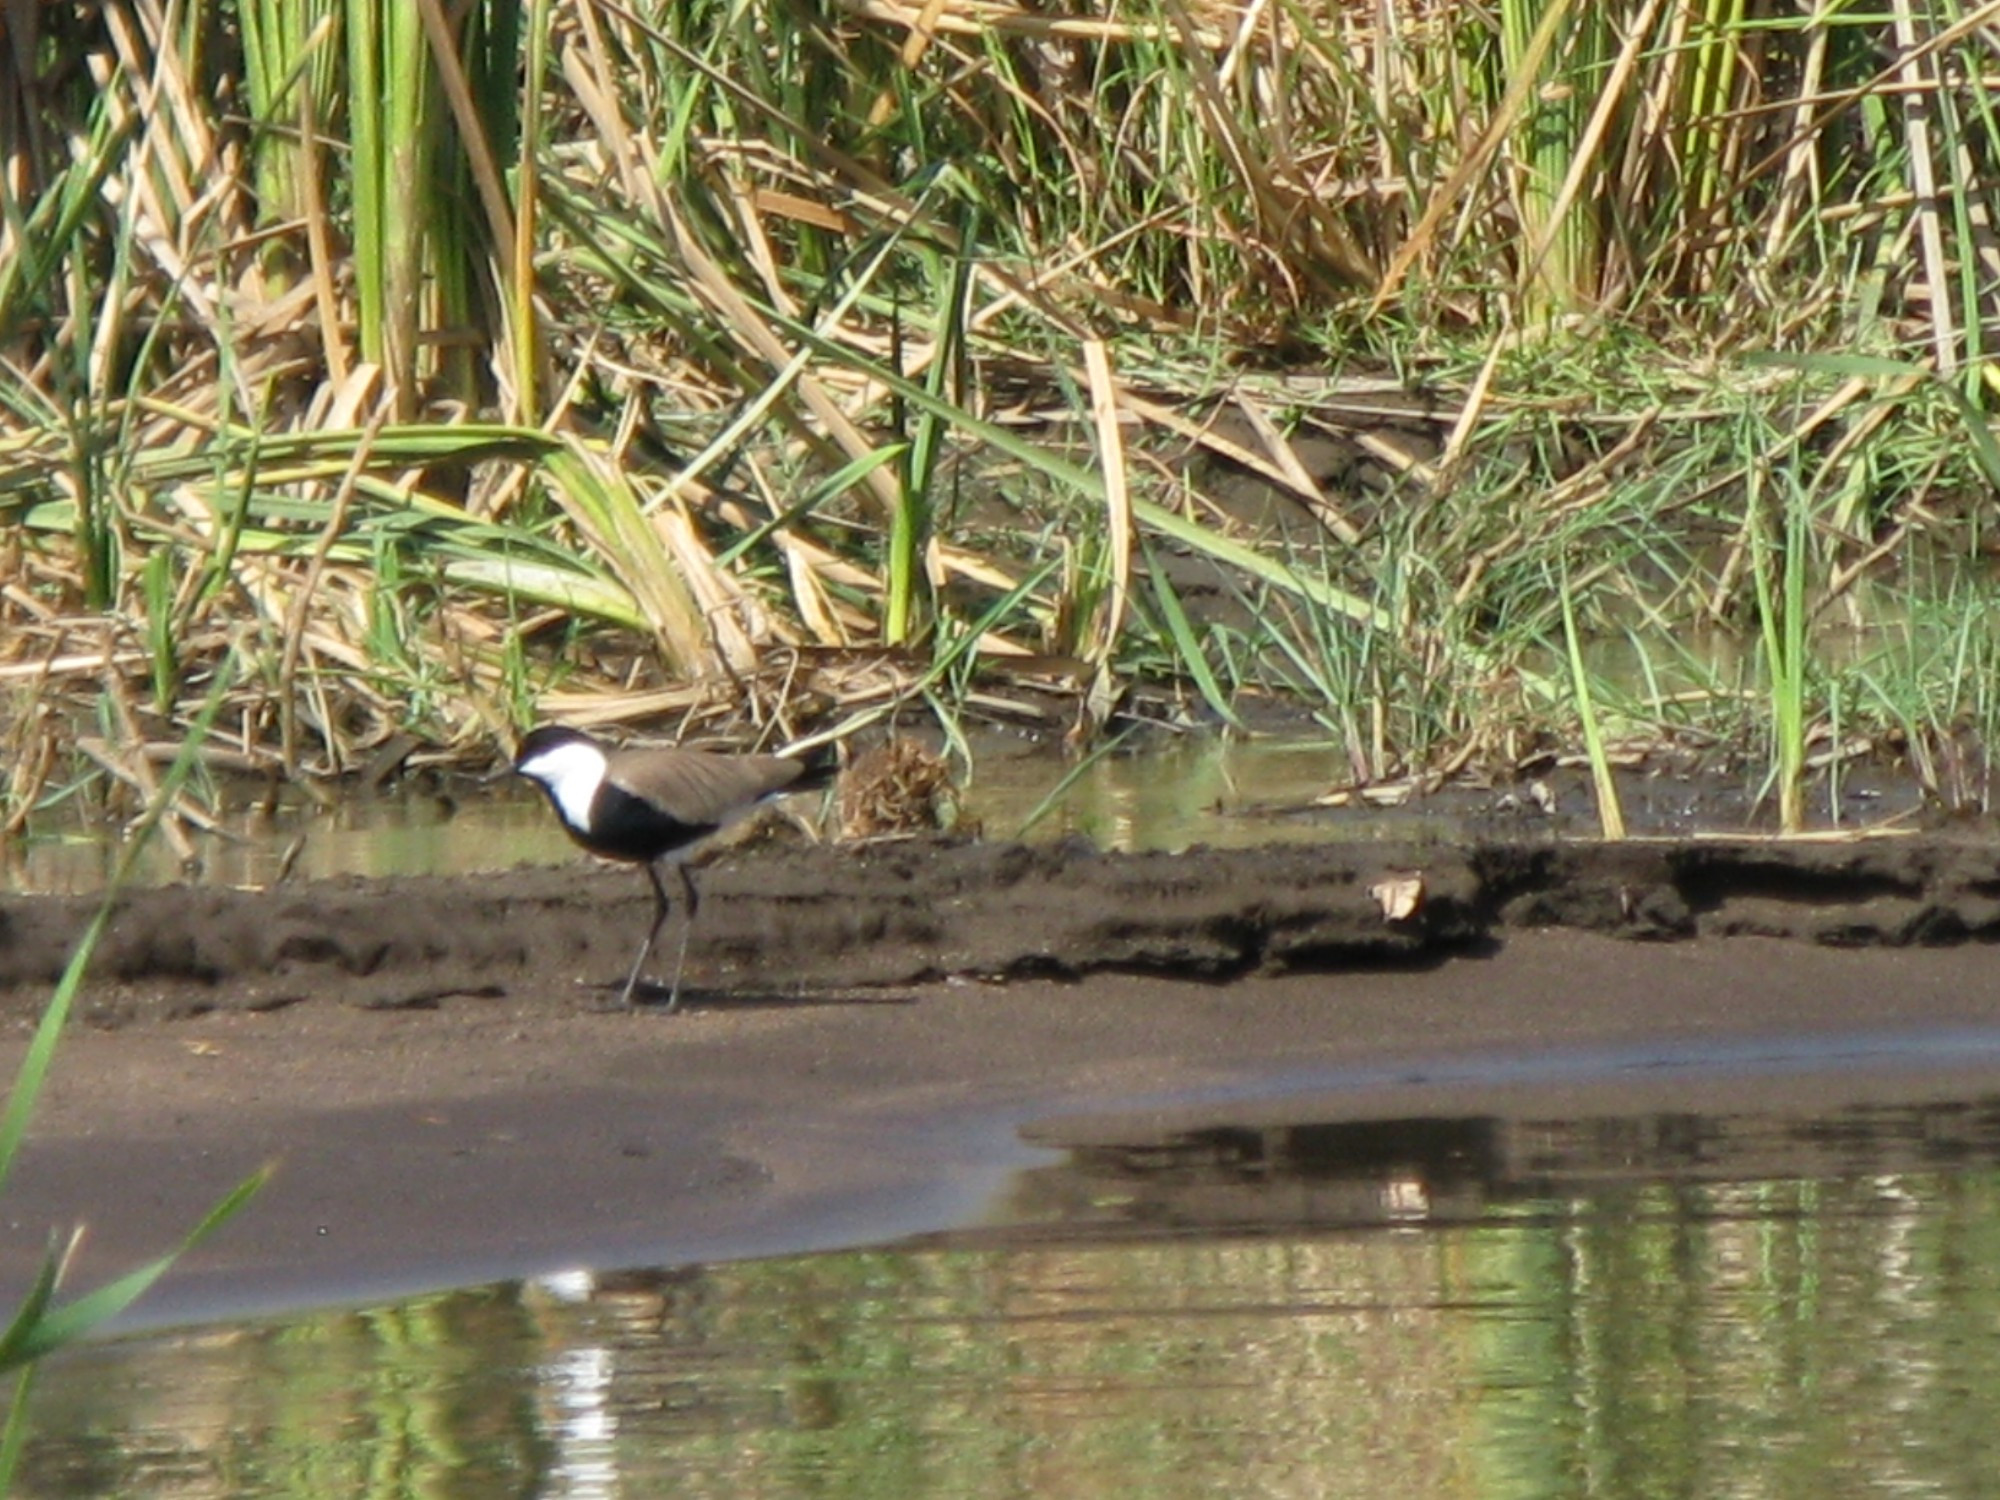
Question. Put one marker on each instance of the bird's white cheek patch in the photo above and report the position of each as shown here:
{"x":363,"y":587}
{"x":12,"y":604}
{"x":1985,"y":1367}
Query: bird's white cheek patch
{"x":572,"y":773}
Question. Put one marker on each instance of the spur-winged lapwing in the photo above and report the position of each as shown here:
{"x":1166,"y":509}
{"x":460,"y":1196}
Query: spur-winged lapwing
{"x":653,"y":807}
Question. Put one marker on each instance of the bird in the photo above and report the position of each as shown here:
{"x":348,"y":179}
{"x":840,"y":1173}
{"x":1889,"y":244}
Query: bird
{"x":655,"y":806}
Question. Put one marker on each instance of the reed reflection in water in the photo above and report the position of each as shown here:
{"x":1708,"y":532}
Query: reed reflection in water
{"x":1776,"y":1337}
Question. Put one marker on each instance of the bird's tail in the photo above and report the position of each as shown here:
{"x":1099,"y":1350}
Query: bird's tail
{"x":822,"y":765}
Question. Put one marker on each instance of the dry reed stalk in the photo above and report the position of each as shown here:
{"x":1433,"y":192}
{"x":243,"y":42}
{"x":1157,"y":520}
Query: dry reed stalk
{"x":1286,"y":216}
{"x":320,"y":261}
{"x":922,"y":32}
{"x":980,"y":18}
{"x":818,"y":610}
{"x":1284,"y":457}
{"x":80,"y":664}
{"x":1737,"y":558}
{"x":493,"y":198}
{"x":737,"y":622}
{"x":30,"y":752}
{"x":639,"y":168}
{"x":126,"y":769}
{"x":1264,"y":466}
{"x":1067,"y":272}
{"x":603,"y":506}
{"x":1801,"y":183}
{"x":758,"y":253}
{"x":1580,"y":491}
{"x":1900,"y":76}
{"x":1936,"y":273}
{"x":1453,"y":193}
{"x":598,"y":708}
{"x":1471,"y":410}
{"x":1106,"y":629}
{"x":975,"y":568}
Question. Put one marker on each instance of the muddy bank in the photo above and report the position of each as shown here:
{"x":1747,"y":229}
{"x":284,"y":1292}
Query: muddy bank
{"x":982,"y":1041}
{"x":494,"y":1137}
{"x":777,"y":924}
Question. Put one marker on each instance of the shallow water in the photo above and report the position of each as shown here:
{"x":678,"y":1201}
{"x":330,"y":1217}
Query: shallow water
{"x":1198,"y":790}
{"x":1373,"y":1308}
{"x":1218,"y":790}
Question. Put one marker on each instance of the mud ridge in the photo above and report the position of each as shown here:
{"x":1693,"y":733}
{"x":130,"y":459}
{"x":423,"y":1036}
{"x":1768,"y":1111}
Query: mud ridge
{"x":780,"y":923}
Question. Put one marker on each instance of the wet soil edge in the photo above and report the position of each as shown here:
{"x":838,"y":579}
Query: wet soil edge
{"x":778,"y":923}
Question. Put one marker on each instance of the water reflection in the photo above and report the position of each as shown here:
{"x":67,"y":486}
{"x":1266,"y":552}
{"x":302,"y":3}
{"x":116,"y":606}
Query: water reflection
{"x":1214,"y":789}
{"x":1199,"y":789}
{"x":1381,"y":1308}
{"x":412,"y":833}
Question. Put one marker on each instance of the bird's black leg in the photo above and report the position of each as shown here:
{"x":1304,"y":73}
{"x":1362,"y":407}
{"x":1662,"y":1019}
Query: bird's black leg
{"x":652,"y":934}
{"x":692,"y":901}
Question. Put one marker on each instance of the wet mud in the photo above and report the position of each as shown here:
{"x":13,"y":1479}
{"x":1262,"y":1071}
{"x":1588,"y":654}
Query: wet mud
{"x":784,"y":924}
{"x":978,"y":1040}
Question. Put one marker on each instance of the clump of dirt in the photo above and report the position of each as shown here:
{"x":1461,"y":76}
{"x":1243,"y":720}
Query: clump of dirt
{"x":780,"y":923}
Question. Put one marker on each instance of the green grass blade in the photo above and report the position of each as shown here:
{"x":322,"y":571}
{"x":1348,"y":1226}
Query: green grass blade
{"x":34,"y":1306}
{"x":1053,"y":797}
{"x":74,"y":1319}
{"x":1192,"y":657}
{"x":33,"y":1072}
{"x":15,"y":1437}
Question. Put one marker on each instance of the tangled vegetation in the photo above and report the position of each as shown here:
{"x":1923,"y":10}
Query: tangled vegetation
{"x":1475,"y":379}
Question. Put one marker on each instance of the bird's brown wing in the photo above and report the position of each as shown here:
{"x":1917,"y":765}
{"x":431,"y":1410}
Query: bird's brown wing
{"x":696,"y":787}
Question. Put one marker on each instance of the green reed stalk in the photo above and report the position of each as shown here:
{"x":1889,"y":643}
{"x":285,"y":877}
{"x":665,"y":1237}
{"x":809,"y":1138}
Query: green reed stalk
{"x":1781,"y":607}
{"x":156,"y":590}
{"x":1711,"y":82}
{"x":1610,"y":812}
{"x":368,"y":174}
{"x":425,"y":232}
{"x":911,"y":520}
{"x":404,"y":166}
{"x":523,"y":326}
{"x":1548,"y":133}
{"x":289,"y":68}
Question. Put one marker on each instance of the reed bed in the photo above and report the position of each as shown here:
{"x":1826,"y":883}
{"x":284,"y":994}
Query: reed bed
{"x":797,"y":369}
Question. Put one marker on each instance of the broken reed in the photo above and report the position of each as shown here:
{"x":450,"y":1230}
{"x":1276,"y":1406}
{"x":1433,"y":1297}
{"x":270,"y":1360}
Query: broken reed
{"x":790,"y":273}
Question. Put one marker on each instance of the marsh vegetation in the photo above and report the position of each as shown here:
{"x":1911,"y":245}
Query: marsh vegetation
{"x":1476,"y":381}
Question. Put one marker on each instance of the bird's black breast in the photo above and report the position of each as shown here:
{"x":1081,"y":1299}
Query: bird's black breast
{"x":627,"y":827}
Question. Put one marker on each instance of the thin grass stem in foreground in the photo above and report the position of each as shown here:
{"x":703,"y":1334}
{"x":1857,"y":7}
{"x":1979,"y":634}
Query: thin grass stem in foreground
{"x":42,"y":1325}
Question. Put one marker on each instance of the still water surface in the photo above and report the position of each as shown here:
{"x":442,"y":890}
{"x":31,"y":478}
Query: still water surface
{"x":1202,"y":789}
{"x":1590,"y":1309}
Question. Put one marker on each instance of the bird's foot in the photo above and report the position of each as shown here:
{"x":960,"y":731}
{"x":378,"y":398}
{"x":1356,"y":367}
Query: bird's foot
{"x":646,"y":995}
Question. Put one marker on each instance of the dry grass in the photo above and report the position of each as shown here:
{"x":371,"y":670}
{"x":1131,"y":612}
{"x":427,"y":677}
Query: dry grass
{"x":672,"y":407}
